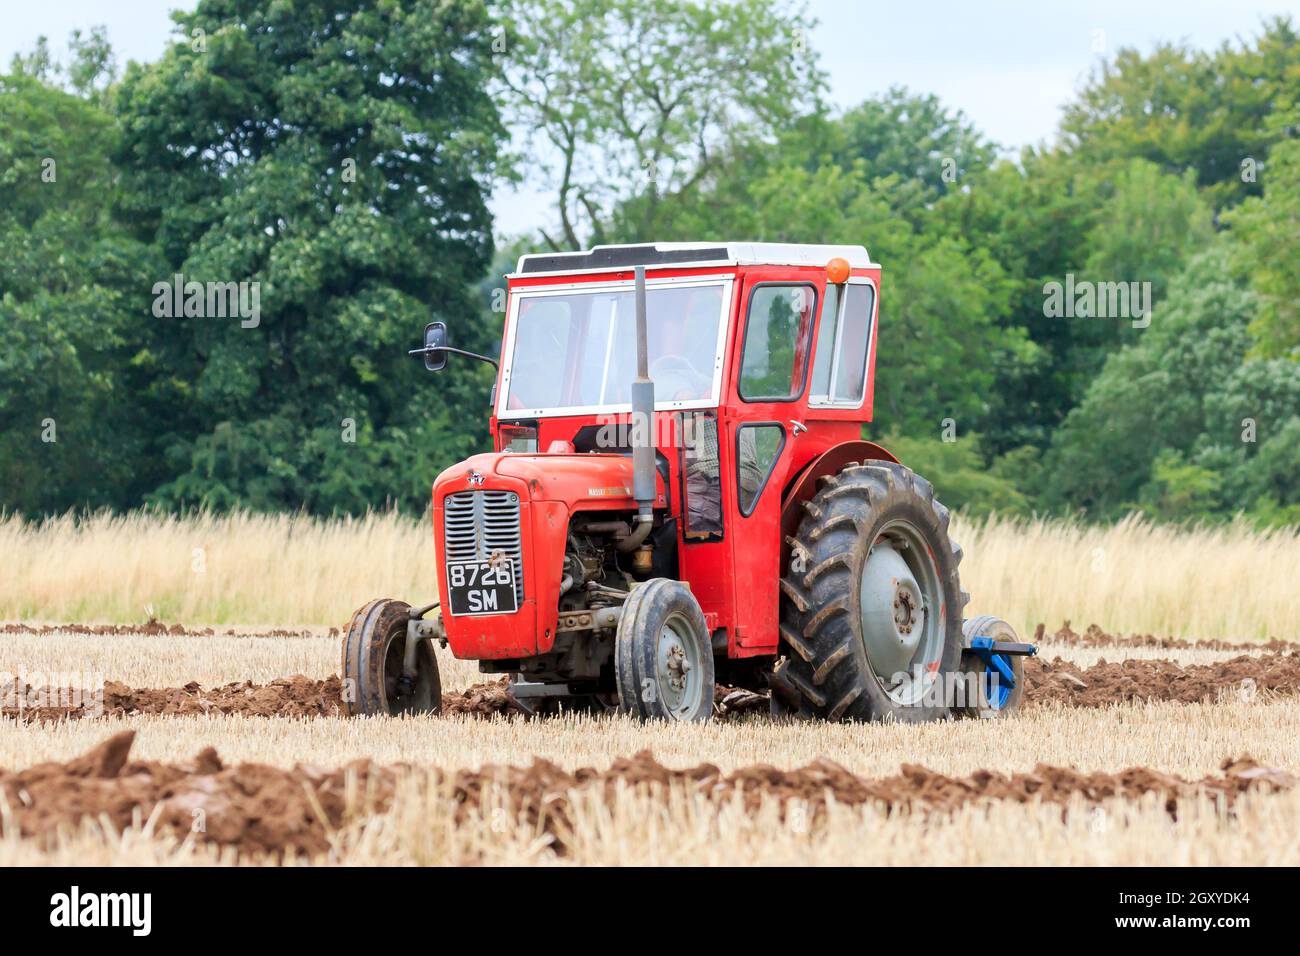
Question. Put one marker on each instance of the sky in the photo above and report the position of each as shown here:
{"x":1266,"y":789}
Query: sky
{"x":1008,"y":64}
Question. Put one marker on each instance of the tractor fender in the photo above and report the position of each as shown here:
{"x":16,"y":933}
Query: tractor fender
{"x":804,"y":484}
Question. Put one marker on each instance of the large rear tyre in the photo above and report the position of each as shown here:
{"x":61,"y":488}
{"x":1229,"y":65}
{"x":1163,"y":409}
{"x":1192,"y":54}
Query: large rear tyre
{"x":871,"y":602}
{"x":373,"y":651}
{"x":663,"y":658}
{"x":992,"y":696}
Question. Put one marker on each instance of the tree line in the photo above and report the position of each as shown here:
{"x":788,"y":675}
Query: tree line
{"x":1101,"y":324}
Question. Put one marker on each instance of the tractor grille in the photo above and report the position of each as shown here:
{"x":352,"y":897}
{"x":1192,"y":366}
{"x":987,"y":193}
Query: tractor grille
{"x":478,"y":524}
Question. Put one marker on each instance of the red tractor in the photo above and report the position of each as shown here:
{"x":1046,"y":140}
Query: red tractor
{"x":680,"y":495}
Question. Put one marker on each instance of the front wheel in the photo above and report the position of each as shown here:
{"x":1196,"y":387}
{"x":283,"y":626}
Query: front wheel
{"x":663,"y":659}
{"x":373,"y":651}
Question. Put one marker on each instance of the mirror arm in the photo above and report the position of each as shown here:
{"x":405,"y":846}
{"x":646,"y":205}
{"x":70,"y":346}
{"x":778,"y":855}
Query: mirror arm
{"x":447,"y":348}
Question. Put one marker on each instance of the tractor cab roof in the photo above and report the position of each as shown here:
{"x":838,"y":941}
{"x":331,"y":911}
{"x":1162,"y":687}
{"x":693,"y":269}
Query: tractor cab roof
{"x":690,"y":254}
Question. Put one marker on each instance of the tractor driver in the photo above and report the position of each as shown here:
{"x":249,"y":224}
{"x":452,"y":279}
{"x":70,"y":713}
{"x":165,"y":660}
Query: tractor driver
{"x":682,"y":370}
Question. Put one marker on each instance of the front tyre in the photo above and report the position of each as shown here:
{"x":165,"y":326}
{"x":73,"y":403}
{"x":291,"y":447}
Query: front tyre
{"x":663,"y":658}
{"x":871,"y":603}
{"x":373,"y":651}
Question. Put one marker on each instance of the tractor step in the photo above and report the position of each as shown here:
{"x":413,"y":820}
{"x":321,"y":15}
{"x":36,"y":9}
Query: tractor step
{"x":523,"y":690}
{"x":536,"y":697}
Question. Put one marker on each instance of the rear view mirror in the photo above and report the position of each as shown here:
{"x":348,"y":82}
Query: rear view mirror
{"x":435,"y":337}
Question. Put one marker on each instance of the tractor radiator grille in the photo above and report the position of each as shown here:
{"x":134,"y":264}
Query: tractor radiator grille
{"x":478,"y":524}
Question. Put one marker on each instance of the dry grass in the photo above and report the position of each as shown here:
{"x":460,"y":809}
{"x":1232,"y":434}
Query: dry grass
{"x":172,"y":661}
{"x":245,"y":569}
{"x":637,"y":830}
{"x":141,"y":660}
{"x":1231,"y":583}
{"x":632,"y":829}
{"x":1189,"y":740}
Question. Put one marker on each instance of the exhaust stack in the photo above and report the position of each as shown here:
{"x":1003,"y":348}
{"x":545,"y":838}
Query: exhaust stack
{"x":643,"y":410}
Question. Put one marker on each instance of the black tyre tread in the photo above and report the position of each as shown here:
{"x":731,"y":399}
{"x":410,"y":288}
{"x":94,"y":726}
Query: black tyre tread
{"x":826,"y":659}
{"x":633,"y":660}
{"x":363,"y":659}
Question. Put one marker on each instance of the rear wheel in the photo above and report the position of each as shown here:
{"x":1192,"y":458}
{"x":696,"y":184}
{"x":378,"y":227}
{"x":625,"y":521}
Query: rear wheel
{"x":373,"y":651}
{"x":871,"y":602}
{"x":663,"y":659}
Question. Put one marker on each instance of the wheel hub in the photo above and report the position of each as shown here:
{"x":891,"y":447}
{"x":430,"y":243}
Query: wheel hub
{"x":676,"y":671}
{"x":894,"y":612}
{"x":678,"y":666}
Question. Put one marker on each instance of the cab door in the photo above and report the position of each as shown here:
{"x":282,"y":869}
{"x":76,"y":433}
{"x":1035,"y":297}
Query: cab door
{"x":766,"y":406}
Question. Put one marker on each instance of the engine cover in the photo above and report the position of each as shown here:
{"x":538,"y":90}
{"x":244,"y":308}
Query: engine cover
{"x":500,"y":523}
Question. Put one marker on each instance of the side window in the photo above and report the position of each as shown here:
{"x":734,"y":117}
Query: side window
{"x":701,"y":477}
{"x":772,"y":366}
{"x":843,"y":340}
{"x":757,"y":449}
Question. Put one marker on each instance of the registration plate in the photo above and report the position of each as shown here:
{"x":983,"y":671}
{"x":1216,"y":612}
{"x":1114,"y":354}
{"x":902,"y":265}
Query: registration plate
{"x":482,"y":587}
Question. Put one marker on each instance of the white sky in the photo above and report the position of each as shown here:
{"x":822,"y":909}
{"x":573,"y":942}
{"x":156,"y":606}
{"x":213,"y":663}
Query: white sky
{"x":1009,"y":64}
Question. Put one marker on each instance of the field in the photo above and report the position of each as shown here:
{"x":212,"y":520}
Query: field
{"x":1178,"y":747}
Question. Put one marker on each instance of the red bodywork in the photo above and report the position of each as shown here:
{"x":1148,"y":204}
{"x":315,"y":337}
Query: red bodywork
{"x":736,"y":579}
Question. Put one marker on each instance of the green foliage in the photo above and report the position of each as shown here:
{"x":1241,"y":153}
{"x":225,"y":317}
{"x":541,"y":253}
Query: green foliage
{"x":1184,"y":424}
{"x":625,"y":101}
{"x":1187,"y":110}
{"x":1147,"y":224}
{"x":336,"y":153}
{"x":68,"y":432}
{"x":1052,"y":217}
{"x":960,"y":476}
{"x":932,"y":150}
{"x":1268,"y":228}
{"x":337,"y":156}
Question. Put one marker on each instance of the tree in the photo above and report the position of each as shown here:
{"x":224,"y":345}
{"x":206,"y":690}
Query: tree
{"x":961,"y":476}
{"x":1051,"y":216}
{"x":931,"y":149}
{"x":1183,"y":109}
{"x":1268,"y":233}
{"x":1148,"y":224}
{"x":333,"y":156}
{"x":68,"y":434}
{"x":1184,"y":423}
{"x":627,"y":101}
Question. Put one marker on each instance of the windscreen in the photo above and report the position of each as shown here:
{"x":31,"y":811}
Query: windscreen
{"x":577,"y":349}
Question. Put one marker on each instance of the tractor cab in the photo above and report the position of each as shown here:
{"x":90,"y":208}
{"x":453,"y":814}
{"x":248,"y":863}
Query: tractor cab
{"x":667,"y":421}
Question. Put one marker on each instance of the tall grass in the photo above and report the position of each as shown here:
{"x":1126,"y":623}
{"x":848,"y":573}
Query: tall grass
{"x":1229,"y":582}
{"x":283,"y":569}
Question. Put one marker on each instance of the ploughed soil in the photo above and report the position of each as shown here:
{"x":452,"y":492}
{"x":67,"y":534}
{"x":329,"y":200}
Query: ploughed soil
{"x":259,"y":809}
{"x":1094,"y":636}
{"x":1105,"y":683}
{"x":1047,"y":681}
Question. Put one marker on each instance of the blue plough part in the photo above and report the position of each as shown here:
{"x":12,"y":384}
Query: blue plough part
{"x":1000,"y":678}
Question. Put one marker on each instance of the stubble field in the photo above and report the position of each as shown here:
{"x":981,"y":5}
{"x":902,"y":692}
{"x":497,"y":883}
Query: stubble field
{"x":1131,"y":749}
